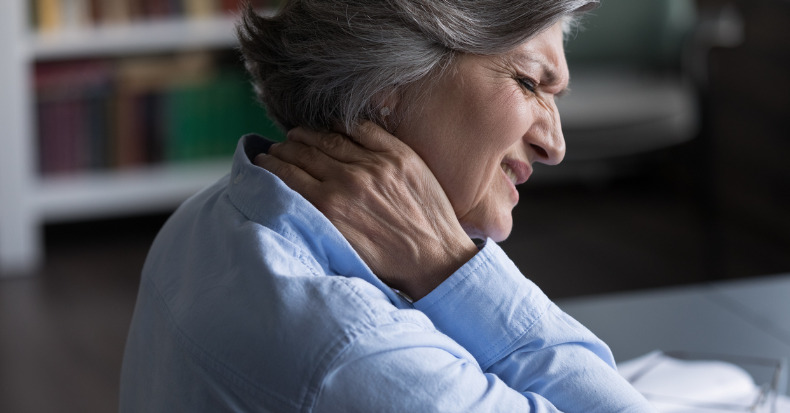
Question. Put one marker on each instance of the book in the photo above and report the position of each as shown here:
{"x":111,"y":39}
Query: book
{"x":144,"y":94}
{"x":71,"y":109}
{"x":49,"y":15}
{"x":200,"y":9}
{"x":113,"y":12}
{"x":129,"y":112}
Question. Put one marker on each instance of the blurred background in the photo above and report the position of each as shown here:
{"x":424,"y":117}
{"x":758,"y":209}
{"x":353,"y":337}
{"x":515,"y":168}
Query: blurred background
{"x":114,"y":111}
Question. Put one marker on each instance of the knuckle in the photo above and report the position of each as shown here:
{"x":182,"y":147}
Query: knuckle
{"x":284,"y":171}
{"x":382,"y":172}
{"x":332,"y":141}
{"x":296,"y":133}
{"x":347,"y":172}
{"x":311,"y":154}
{"x":397,"y":162}
{"x":275,"y":148}
{"x":370,"y":128}
{"x":261,"y":160}
{"x":356,"y":180}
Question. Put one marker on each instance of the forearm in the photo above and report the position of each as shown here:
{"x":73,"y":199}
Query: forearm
{"x":407,"y":367}
{"x":514,"y":331}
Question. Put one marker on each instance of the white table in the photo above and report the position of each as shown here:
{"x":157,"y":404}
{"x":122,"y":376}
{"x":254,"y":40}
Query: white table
{"x":746,"y":317}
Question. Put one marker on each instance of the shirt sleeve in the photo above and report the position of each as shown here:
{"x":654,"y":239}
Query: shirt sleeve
{"x":518,"y":335}
{"x":399,"y":368}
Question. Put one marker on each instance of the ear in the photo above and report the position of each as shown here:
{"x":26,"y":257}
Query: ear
{"x":384,"y":108}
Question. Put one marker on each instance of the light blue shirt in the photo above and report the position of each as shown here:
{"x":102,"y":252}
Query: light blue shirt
{"x":251,"y":300}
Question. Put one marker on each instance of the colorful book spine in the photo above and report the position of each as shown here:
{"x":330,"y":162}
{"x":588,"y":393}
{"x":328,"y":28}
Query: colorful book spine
{"x":71,"y":109}
{"x":48,"y":15}
{"x":200,"y":9}
{"x":55,"y":15}
{"x":113,"y":12}
{"x":112,"y":114}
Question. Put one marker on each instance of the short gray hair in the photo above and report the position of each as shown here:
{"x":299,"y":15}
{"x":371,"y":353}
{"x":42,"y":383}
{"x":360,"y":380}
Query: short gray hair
{"x":321,"y":63}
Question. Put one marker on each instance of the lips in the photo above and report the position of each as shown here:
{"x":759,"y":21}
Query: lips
{"x":518,"y":172}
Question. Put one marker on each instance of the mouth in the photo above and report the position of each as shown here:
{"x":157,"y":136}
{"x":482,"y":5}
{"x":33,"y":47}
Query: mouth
{"x":518,"y":172}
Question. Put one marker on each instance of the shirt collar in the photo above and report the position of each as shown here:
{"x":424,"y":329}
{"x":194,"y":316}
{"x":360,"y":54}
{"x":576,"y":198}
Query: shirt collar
{"x":265,"y":199}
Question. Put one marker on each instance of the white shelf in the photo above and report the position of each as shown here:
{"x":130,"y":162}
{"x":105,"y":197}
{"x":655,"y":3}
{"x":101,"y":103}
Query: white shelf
{"x":139,"y":37}
{"x":28,"y":200}
{"x":145,"y":189}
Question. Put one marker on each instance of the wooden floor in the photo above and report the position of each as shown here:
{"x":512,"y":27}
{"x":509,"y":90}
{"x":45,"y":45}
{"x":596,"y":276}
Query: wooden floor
{"x":62,"y":330}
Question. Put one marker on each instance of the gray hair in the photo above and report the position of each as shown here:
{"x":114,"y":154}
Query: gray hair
{"x":321,"y":64}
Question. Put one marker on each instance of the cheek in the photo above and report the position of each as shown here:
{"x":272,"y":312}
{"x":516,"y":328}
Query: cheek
{"x":500,"y":121}
{"x":489,"y":128}
{"x":494,"y":129}
{"x":466,"y":138}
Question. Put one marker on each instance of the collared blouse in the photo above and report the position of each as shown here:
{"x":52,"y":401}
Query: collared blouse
{"x":252,"y":301}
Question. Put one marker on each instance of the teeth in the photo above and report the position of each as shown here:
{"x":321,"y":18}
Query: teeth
{"x":510,"y":174}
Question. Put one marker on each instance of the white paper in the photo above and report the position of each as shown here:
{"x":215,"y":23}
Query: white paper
{"x":783,"y":404}
{"x":674,"y":385}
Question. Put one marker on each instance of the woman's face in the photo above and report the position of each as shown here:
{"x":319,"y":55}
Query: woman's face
{"x":482,"y":126}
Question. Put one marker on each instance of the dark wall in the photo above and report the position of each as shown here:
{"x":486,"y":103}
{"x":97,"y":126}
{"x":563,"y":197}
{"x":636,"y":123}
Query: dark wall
{"x":748,"y":144}
{"x":714,"y":208}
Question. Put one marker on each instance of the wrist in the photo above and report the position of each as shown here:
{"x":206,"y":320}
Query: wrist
{"x":444,"y":261}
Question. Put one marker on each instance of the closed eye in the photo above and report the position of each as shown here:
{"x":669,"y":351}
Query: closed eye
{"x":527,"y":84}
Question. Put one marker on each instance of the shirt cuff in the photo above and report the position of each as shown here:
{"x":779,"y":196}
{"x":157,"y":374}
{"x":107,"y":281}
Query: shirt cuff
{"x":486,"y":306}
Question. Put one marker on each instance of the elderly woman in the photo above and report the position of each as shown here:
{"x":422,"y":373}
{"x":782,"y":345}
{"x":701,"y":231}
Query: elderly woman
{"x":353,"y":267}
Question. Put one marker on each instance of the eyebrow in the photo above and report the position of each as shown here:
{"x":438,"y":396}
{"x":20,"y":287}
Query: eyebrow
{"x":551,"y":75}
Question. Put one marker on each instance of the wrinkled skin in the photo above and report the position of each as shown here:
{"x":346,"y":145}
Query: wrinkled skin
{"x":411,"y":201}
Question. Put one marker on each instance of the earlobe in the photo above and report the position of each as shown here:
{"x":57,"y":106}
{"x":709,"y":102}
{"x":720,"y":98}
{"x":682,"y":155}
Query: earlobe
{"x":385,"y":119}
{"x":385,"y":108}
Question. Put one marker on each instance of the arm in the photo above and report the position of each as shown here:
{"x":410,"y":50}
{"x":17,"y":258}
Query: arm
{"x":401,"y":368}
{"x":516,"y":333}
{"x":536,"y":358}
{"x":387,"y":203}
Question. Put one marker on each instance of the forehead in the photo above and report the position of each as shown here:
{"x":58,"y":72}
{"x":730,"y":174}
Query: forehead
{"x":546,"y":50}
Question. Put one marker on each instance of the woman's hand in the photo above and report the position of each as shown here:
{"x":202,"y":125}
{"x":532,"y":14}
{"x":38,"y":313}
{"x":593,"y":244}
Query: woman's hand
{"x":383,"y":199}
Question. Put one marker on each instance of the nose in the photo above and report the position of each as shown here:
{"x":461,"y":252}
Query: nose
{"x":545,"y":138}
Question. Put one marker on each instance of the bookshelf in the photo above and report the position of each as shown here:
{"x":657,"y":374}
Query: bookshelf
{"x":148,"y":36}
{"x":28,"y":198}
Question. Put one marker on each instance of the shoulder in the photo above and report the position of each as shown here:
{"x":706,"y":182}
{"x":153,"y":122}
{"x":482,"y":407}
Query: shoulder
{"x":250,"y":308}
{"x":249,"y":293}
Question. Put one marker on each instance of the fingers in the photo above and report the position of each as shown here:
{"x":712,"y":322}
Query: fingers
{"x":365,"y":141}
{"x":308,"y":158}
{"x":293,"y":176}
{"x":375,"y":138}
{"x":335,"y":145}
{"x":351,"y":147}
